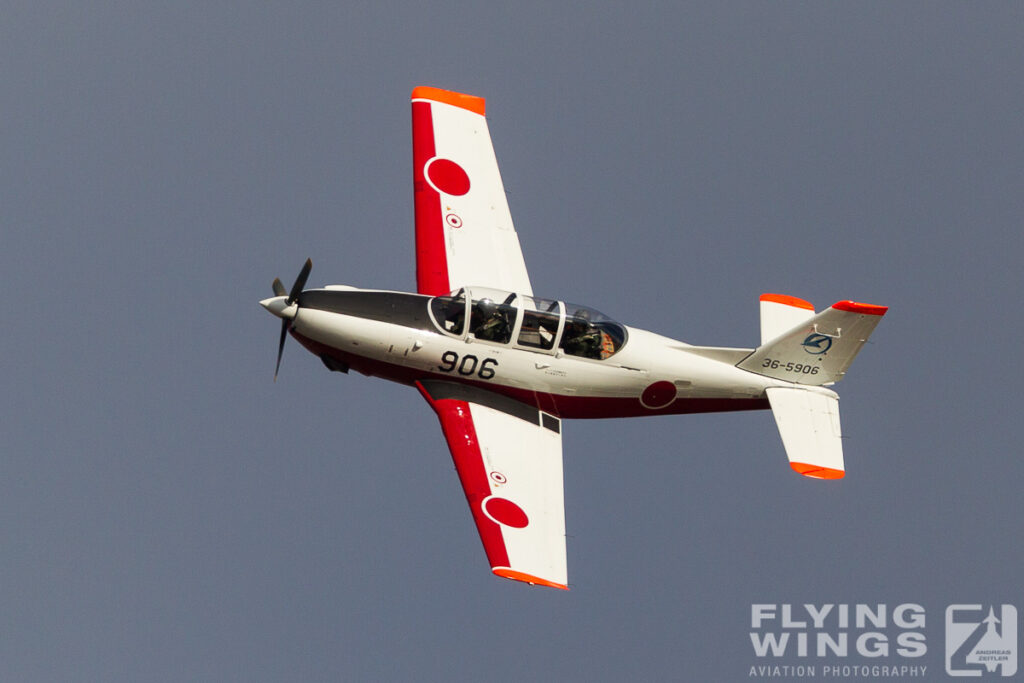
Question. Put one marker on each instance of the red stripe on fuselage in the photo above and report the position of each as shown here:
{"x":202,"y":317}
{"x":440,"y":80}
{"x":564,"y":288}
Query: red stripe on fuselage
{"x":460,"y":433}
{"x":431,"y":257}
{"x":559,"y":405}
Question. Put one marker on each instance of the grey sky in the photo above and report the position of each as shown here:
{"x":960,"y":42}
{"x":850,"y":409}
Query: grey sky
{"x":168,"y":513}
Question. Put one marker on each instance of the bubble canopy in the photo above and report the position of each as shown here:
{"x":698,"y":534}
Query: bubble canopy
{"x":529,"y":322}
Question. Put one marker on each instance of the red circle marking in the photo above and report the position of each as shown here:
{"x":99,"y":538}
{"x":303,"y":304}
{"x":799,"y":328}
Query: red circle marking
{"x":498,"y":477}
{"x":448,"y":177}
{"x":506,"y":512}
{"x":453,"y":220}
{"x":658,"y":395}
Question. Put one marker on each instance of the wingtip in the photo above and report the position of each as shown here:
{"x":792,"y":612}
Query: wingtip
{"x":507,"y":573}
{"x":817,"y":471}
{"x":472,"y":103}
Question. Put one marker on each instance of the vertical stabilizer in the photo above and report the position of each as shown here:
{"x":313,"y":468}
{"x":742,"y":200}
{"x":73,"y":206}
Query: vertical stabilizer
{"x":818,"y":349}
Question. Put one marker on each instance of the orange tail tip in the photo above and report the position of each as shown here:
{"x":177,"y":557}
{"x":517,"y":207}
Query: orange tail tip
{"x":817,"y":471}
{"x":456,"y":99}
{"x":855,"y":307}
{"x":507,"y":573}
{"x":787,"y":300}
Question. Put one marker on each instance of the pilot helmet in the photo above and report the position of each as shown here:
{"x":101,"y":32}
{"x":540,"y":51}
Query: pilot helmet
{"x":487,"y":306}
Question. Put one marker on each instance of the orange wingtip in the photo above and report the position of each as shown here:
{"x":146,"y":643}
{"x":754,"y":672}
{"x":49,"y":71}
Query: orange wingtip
{"x":456,"y":99}
{"x":788,"y":301}
{"x":507,"y":573}
{"x":817,"y":471}
{"x":854,"y":307}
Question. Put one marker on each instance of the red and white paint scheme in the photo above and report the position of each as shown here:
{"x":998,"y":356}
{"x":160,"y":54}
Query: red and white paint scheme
{"x":502,"y":368}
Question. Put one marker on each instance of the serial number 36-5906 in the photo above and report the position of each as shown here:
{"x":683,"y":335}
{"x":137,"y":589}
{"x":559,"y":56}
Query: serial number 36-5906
{"x":801,"y":368}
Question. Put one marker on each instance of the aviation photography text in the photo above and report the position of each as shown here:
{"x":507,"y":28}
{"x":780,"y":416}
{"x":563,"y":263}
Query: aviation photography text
{"x":838,"y":640}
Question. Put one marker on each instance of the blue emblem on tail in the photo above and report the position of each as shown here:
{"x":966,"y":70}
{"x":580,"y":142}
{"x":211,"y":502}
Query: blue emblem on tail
{"x":816,"y":344}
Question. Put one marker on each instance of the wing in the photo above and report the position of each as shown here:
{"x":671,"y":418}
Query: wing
{"x":509,"y":459}
{"x":464,"y":232}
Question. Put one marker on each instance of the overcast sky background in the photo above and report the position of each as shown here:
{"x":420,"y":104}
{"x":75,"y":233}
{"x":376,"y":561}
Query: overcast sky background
{"x":168,"y":513}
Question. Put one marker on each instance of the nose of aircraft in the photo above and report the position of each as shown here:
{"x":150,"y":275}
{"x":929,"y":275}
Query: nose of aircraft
{"x":284,"y":305}
{"x":279,"y":306}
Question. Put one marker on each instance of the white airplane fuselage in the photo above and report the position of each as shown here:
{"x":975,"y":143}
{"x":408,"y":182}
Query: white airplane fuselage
{"x":378,"y":333}
{"x":500,"y":367}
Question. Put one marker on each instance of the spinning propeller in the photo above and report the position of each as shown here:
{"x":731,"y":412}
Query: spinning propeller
{"x":286,"y":309}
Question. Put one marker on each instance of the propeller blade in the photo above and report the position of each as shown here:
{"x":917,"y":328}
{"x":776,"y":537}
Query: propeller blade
{"x":280,"y":346}
{"x":300,"y":281}
{"x":293,"y":296}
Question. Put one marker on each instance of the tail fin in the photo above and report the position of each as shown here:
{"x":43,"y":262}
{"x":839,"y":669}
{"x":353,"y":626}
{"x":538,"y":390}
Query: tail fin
{"x":818,"y":349}
{"x":810,"y":350}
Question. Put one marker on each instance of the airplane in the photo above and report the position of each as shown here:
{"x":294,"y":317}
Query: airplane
{"x":502,"y":367}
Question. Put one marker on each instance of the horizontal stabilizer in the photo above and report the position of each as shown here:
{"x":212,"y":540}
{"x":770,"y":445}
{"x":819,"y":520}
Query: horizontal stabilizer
{"x":808,"y":420}
{"x":781,"y":313}
{"x":817,"y":350}
{"x":722,"y":354}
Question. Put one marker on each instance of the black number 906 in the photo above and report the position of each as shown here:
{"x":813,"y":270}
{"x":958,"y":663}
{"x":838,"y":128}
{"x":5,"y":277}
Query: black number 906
{"x":469,"y":365}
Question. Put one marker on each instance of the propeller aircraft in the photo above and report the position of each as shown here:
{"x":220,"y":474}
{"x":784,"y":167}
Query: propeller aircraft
{"x":502,"y":367}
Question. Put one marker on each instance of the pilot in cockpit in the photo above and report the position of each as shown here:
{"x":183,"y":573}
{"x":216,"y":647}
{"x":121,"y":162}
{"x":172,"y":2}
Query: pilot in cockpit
{"x":489,"y":322}
{"x":583,"y":338}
